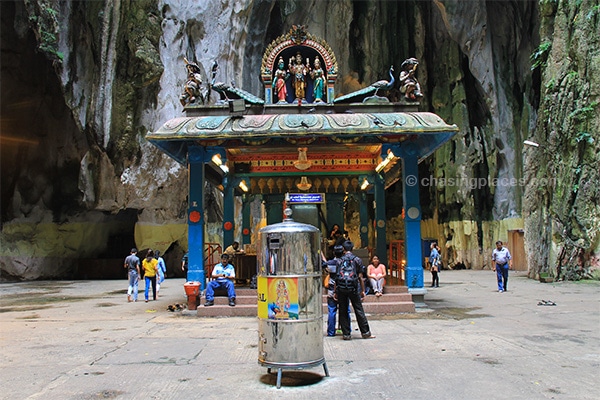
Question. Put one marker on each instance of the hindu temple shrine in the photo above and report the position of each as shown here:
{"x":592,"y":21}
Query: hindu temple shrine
{"x":303,"y":146}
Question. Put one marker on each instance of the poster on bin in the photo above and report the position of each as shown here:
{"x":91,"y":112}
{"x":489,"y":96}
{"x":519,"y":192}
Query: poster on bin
{"x":277,"y":298}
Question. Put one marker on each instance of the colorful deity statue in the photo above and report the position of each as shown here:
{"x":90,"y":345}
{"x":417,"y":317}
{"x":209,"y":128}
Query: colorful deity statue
{"x":318,"y":76}
{"x":192,"y":90}
{"x":298,"y":72}
{"x":279,"y":80}
{"x":408,"y":81}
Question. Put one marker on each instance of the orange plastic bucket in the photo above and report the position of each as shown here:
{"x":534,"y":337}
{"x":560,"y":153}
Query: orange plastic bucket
{"x":192,"y":288}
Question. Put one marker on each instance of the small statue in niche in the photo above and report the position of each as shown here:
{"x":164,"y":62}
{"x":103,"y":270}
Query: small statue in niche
{"x":279,"y":79}
{"x":192,"y":90}
{"x":318,"y":76}
{"x":408,"y":82}
{"x":298,"y":71}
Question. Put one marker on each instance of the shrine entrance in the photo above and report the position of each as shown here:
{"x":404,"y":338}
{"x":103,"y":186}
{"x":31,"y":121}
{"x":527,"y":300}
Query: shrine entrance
{"x":302,"y":142}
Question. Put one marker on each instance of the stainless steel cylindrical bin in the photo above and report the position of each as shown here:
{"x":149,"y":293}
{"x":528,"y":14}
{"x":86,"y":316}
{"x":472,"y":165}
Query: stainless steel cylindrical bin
{"x":290,"y":296}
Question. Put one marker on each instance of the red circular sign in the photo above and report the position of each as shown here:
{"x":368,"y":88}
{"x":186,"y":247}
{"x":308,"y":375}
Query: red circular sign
{"x":227,"y":226}
{"x":195,"y":216}
{"x":246,"y":231}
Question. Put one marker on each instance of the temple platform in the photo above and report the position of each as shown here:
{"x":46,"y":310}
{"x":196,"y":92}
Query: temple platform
{"x":395,"y":300}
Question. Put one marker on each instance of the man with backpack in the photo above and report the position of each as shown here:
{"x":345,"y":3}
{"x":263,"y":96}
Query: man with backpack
{"x":332,"y":304}
{"x":350,"y":287}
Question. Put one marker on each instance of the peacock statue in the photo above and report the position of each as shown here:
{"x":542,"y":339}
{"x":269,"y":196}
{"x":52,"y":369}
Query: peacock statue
{"x":369,"y":93}
{"x":231,"y":92}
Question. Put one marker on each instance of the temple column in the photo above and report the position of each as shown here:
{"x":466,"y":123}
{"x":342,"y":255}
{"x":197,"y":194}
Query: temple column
{"x":364,"y":220}
{"x":380,"y":219}
{"x":246,"y":232}
{"x":228,"y":211}
{"x":412,"y":220}
{"x":196,"y":159}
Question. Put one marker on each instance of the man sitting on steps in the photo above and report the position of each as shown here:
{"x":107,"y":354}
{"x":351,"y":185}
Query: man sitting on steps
{"x":223,"y":275}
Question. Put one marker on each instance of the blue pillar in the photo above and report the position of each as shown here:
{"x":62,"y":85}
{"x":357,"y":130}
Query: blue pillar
{"x":380,"y":219}
{"x":412,"y":220}
{"x":228,"y":212}
{"x":364,"y":220}
{"x":246,"y":232}
{"x":196,"y":159}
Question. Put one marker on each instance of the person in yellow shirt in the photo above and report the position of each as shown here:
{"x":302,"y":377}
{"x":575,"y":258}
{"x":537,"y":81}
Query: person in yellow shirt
{"x":150,"y":266}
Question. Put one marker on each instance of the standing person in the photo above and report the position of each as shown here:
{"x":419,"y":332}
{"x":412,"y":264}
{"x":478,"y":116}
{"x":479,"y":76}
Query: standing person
{"x":439,"y":263}
{"x":162,"y":270}
{"x":132,"y":264}
{"x":150,"y":266}
{"x":184,"y":264}
{"x":376,"y":274}
{"x":434,"y":264}
{"x":223,"y":275}
{"x":332,"y":303}
{"x":333,"y":239}
{"x":350,"y":287}
{"x":334,"y":230}
{"x":502,"y":263}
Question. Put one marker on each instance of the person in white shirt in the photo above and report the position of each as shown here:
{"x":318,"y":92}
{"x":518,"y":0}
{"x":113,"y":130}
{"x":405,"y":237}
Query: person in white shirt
{"x":502,"y":263}
{"x":223,"y":275}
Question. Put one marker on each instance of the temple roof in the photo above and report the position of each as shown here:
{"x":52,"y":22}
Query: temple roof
{"x":426,"y":130}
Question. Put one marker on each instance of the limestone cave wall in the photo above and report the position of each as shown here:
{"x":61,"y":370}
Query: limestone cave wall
{"x":82,"y":83}
{"x":561,"y":205}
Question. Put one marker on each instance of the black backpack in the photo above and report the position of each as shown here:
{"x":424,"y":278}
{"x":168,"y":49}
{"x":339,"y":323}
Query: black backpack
{"x":347,"y":276}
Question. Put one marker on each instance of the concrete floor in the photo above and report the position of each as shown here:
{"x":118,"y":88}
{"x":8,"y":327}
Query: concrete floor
{"x":82,"y":340}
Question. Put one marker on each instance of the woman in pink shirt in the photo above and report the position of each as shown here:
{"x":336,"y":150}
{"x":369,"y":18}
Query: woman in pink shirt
{"x":376,"y":275}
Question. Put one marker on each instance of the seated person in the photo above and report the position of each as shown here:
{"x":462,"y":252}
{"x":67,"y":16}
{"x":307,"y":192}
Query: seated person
{"x":223,"y":275}
{"x":376,"y":275}
{"x":233,"y":250}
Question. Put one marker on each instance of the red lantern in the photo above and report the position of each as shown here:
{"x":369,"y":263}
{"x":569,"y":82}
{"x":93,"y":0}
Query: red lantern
{"x":227,"y":226}
{"x":246,"y":231}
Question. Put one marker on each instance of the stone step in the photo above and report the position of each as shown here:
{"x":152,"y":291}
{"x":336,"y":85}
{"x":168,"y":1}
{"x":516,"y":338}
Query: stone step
{"x":239,"y":299}
{"x":395,"y":299}
{"x":240,"y":310}
{"x":395,"y":289}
